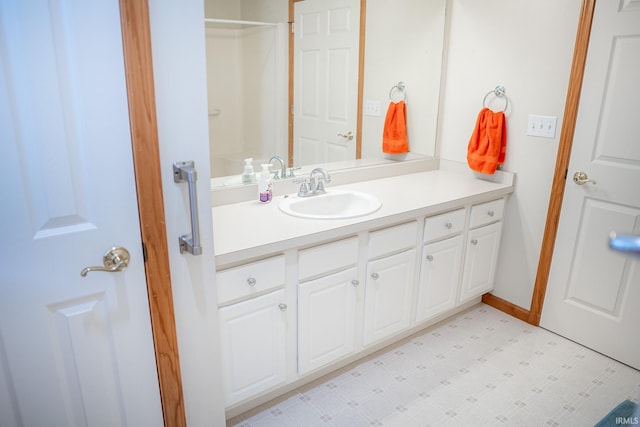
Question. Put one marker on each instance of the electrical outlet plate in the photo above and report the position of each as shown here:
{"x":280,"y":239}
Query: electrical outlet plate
{"x":542,"y":126}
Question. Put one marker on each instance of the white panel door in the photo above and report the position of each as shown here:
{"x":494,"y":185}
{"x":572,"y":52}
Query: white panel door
{"x":326,"y":319}
{"x":179,"y":72}
{"x":593,"y":293}
{"x":74,"y":351}
{"x":388,"y":295}
{"x":327,"y":34}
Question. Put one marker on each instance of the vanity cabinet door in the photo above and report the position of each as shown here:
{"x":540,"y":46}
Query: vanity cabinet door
{"x":326,"y":319}
{"x":480,"y":261}
{"x":439,"y":277}
{"x":388,"y":294}
{"x":253,"y":342}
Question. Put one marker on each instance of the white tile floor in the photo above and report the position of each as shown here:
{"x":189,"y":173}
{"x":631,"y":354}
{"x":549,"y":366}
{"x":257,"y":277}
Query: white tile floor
{"x":481,"y":368}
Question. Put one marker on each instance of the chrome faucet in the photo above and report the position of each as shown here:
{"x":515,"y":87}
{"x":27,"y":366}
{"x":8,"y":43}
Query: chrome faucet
{"x":283,"y":168}
{"x":315,"y":184}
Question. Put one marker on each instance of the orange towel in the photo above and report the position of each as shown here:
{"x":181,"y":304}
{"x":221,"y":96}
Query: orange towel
{"x":488,"y":143}
{"x":394,"y":134}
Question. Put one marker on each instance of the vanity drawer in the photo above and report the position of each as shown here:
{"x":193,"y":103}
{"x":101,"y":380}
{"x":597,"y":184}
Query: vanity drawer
{"x":392,"y":239}
{"x":486,"y":213}
{"x":443,"y":225}
{"x":327,"y":258}
{"x":250,"y":279}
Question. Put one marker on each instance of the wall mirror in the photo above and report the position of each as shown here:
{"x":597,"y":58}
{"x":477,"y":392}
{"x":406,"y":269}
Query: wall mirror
{"x":249,"y":81}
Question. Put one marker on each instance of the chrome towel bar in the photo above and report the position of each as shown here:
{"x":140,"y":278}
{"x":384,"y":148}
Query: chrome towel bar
{"x":186,"y":172}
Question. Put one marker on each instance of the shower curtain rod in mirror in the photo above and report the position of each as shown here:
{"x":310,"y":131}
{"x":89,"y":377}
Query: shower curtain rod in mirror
{"x":231,"y":21}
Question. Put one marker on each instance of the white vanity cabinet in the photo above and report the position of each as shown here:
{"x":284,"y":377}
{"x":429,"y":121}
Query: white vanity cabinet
{"x":253,"y":328}
{"x":327,"y":294}
{"x":483,"y":244}
{"x":390,"y":279}
{"x":441,"y":264}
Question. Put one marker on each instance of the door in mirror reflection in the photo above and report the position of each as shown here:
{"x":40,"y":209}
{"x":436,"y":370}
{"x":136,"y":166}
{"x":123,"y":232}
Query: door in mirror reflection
{"x":325,"y":108}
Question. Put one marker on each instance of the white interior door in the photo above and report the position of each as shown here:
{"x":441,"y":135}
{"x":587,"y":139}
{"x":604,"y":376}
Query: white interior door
{"x":178,"y":45}
{"x":593,"y":293}
{"x":74,"y":350}
{"x":327,"y":34}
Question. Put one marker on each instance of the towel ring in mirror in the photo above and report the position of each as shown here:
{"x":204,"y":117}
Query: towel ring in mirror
{"x":500,"y":92}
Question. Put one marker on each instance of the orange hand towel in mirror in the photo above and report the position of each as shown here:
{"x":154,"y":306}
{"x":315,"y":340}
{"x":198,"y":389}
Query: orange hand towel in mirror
{"x":394,"y":134}
{"x":488,"y":143}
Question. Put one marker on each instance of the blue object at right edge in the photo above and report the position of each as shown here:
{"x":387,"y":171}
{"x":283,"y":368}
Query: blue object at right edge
{"x":623,"y":414}
{"x":629,"y":244}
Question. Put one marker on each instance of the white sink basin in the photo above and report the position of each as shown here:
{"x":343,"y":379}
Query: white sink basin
{"x":334,"y":204}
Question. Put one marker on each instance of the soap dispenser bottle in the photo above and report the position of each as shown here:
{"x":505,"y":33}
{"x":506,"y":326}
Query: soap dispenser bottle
{"x":248,"y":176}
{"x":264,"y":184}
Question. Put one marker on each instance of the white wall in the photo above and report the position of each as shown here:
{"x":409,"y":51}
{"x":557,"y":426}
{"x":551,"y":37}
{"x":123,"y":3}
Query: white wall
{"x":246,"y":89}
{"x":264,"y":73}
{"x":527,"y":47}
{"x":247,"y":83}
{"x":225,"y":101}
{"x":403,"y":43}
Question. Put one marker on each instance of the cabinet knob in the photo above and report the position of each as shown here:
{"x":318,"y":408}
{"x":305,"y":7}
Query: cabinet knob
{"x":491,"y":213}
{"x":429,"y":257}
{"x":251,"y":281}
{"x":474,"y":242}
{"x":375,"y":276}
{"x":282,"y":306}
{"x":355,"y":283}
{"x":448,"y":225}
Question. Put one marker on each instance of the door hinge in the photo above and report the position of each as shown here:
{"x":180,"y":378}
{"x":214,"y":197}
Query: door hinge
{"x":144,"y":252}
{"x":566,"y":172}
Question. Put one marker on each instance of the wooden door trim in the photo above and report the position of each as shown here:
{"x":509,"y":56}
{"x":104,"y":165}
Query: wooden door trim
{"x":562,"y":160}
{"x":360,"y":100}
{"x":572,"y":102}
{"x":136,"y":35}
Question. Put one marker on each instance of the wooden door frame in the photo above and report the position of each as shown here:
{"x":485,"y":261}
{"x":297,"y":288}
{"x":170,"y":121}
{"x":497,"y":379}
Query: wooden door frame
{"x":136,"y":39}
{"x":532,"y":315}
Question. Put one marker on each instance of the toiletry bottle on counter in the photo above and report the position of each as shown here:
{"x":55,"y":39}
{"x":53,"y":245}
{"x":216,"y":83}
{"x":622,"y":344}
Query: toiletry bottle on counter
{"x":264,"y":184}
{"x":248,"y":176}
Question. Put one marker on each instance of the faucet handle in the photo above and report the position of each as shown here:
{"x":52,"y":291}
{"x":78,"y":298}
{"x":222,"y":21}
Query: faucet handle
{"x":320,"y":186}
{"x":304,"y":189}
{"x":291,"y":174}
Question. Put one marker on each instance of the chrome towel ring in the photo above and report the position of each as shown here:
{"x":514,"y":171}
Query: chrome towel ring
{"x":500,"y":92}
{"x":399,"y":87}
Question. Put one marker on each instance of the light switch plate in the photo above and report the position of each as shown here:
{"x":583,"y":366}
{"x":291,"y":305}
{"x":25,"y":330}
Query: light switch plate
{"x":372,"y":107}
{"x":542,"y":126}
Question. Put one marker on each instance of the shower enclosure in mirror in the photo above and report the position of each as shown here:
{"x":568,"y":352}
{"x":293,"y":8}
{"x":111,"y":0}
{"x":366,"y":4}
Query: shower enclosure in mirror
{"x":247,"y":75}
{"x":249,"y":62}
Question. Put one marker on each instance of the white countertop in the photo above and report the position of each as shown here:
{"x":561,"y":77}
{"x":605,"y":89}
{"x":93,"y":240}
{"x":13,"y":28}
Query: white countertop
{"x":247,"y":230}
